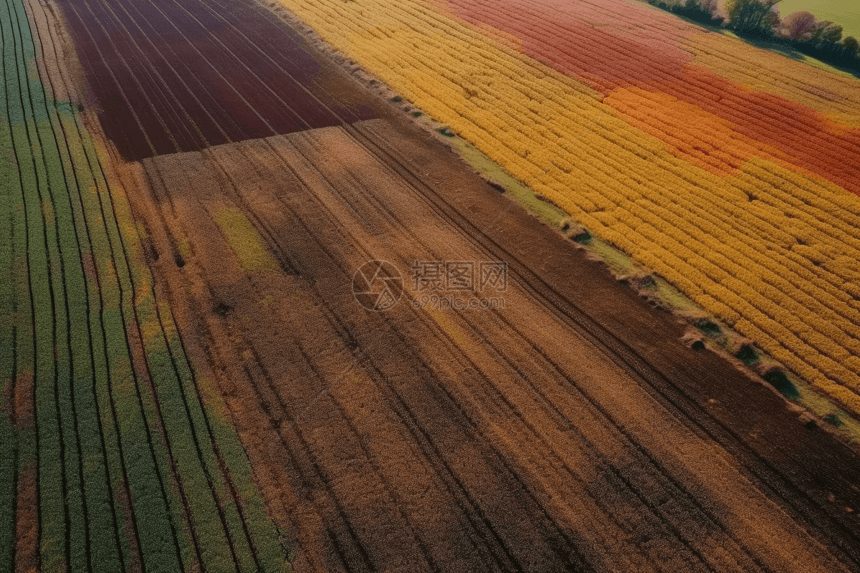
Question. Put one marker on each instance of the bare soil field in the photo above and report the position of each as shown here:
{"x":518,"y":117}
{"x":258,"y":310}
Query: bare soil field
{"x":570,"y":430}
{"x":180,"y":76}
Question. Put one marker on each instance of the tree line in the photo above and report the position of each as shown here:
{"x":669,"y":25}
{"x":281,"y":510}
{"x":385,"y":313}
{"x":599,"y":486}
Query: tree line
{"x":760,"y":20}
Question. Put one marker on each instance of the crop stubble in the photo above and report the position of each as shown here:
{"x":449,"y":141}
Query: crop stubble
{"x":463,"y":441}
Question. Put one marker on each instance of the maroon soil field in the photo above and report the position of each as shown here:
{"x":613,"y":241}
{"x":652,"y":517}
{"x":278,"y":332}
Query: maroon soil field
{"x":180,"y":76}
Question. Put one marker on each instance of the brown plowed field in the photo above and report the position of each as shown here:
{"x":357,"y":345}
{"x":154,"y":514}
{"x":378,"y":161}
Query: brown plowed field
{"x":171,"y":75}
{"x":570,"y":431}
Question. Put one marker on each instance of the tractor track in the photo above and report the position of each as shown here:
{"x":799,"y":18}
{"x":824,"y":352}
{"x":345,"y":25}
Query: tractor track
{"x":633,"y":362}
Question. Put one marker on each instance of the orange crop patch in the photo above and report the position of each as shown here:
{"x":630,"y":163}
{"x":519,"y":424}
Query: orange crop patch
{"x":724,"y":122}
{"x":24,"y":407}
{"x":578,"y":44}
{"x":689,"y":132}
{"x":27,"y":521}
{"x":788,"y":131}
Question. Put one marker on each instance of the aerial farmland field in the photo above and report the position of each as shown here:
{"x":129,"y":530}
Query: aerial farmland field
{"x":423,"y":285}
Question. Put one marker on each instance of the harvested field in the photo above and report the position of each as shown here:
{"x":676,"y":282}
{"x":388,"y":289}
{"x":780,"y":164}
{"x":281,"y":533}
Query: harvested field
{"x":417,"y":439}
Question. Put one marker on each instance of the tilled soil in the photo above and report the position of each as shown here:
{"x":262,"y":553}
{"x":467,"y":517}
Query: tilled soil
{"x":570,"y":430}
{"x":181,"y":75}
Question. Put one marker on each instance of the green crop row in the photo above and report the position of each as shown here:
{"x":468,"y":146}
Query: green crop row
{"x":34,"y":337}
{"x":130,"y":461}
{"x":67,"y":428}
{"x":214,"y":514}
{"x":8,"y":437}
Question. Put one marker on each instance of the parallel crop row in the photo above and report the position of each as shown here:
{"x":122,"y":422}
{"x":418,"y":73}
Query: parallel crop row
{"x":98,"y":403}
{"x":736,"y":219}
{"x":796,"y":133}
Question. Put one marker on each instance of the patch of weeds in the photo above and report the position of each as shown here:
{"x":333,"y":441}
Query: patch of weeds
{"x":416,"y":114}
{"x":698,"y":345}
{"x":646,"y":282}
{"x":397,"y":99}
{"x":581,"y":236}
{"x":245,"y":240}
{"x":708,"y":326}
{"x":833,"y":420}
{"x":446,"y":132}
{"x":747,"y":354}
{"x":496,"y":185}
{"x":778,"y":379}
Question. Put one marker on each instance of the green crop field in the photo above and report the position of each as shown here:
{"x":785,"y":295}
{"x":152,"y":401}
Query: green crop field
{"x":98,"y":404}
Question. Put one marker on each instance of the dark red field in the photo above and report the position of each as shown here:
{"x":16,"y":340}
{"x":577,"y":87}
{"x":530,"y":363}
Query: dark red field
{"x":172,"y":76}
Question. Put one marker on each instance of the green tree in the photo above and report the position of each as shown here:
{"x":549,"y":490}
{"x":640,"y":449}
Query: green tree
{"x":700,"y":10}
{"x":703,"y":5}
{"x":758,"y":17}
{"x":851,"y":46}
{"x":827,"y":32}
